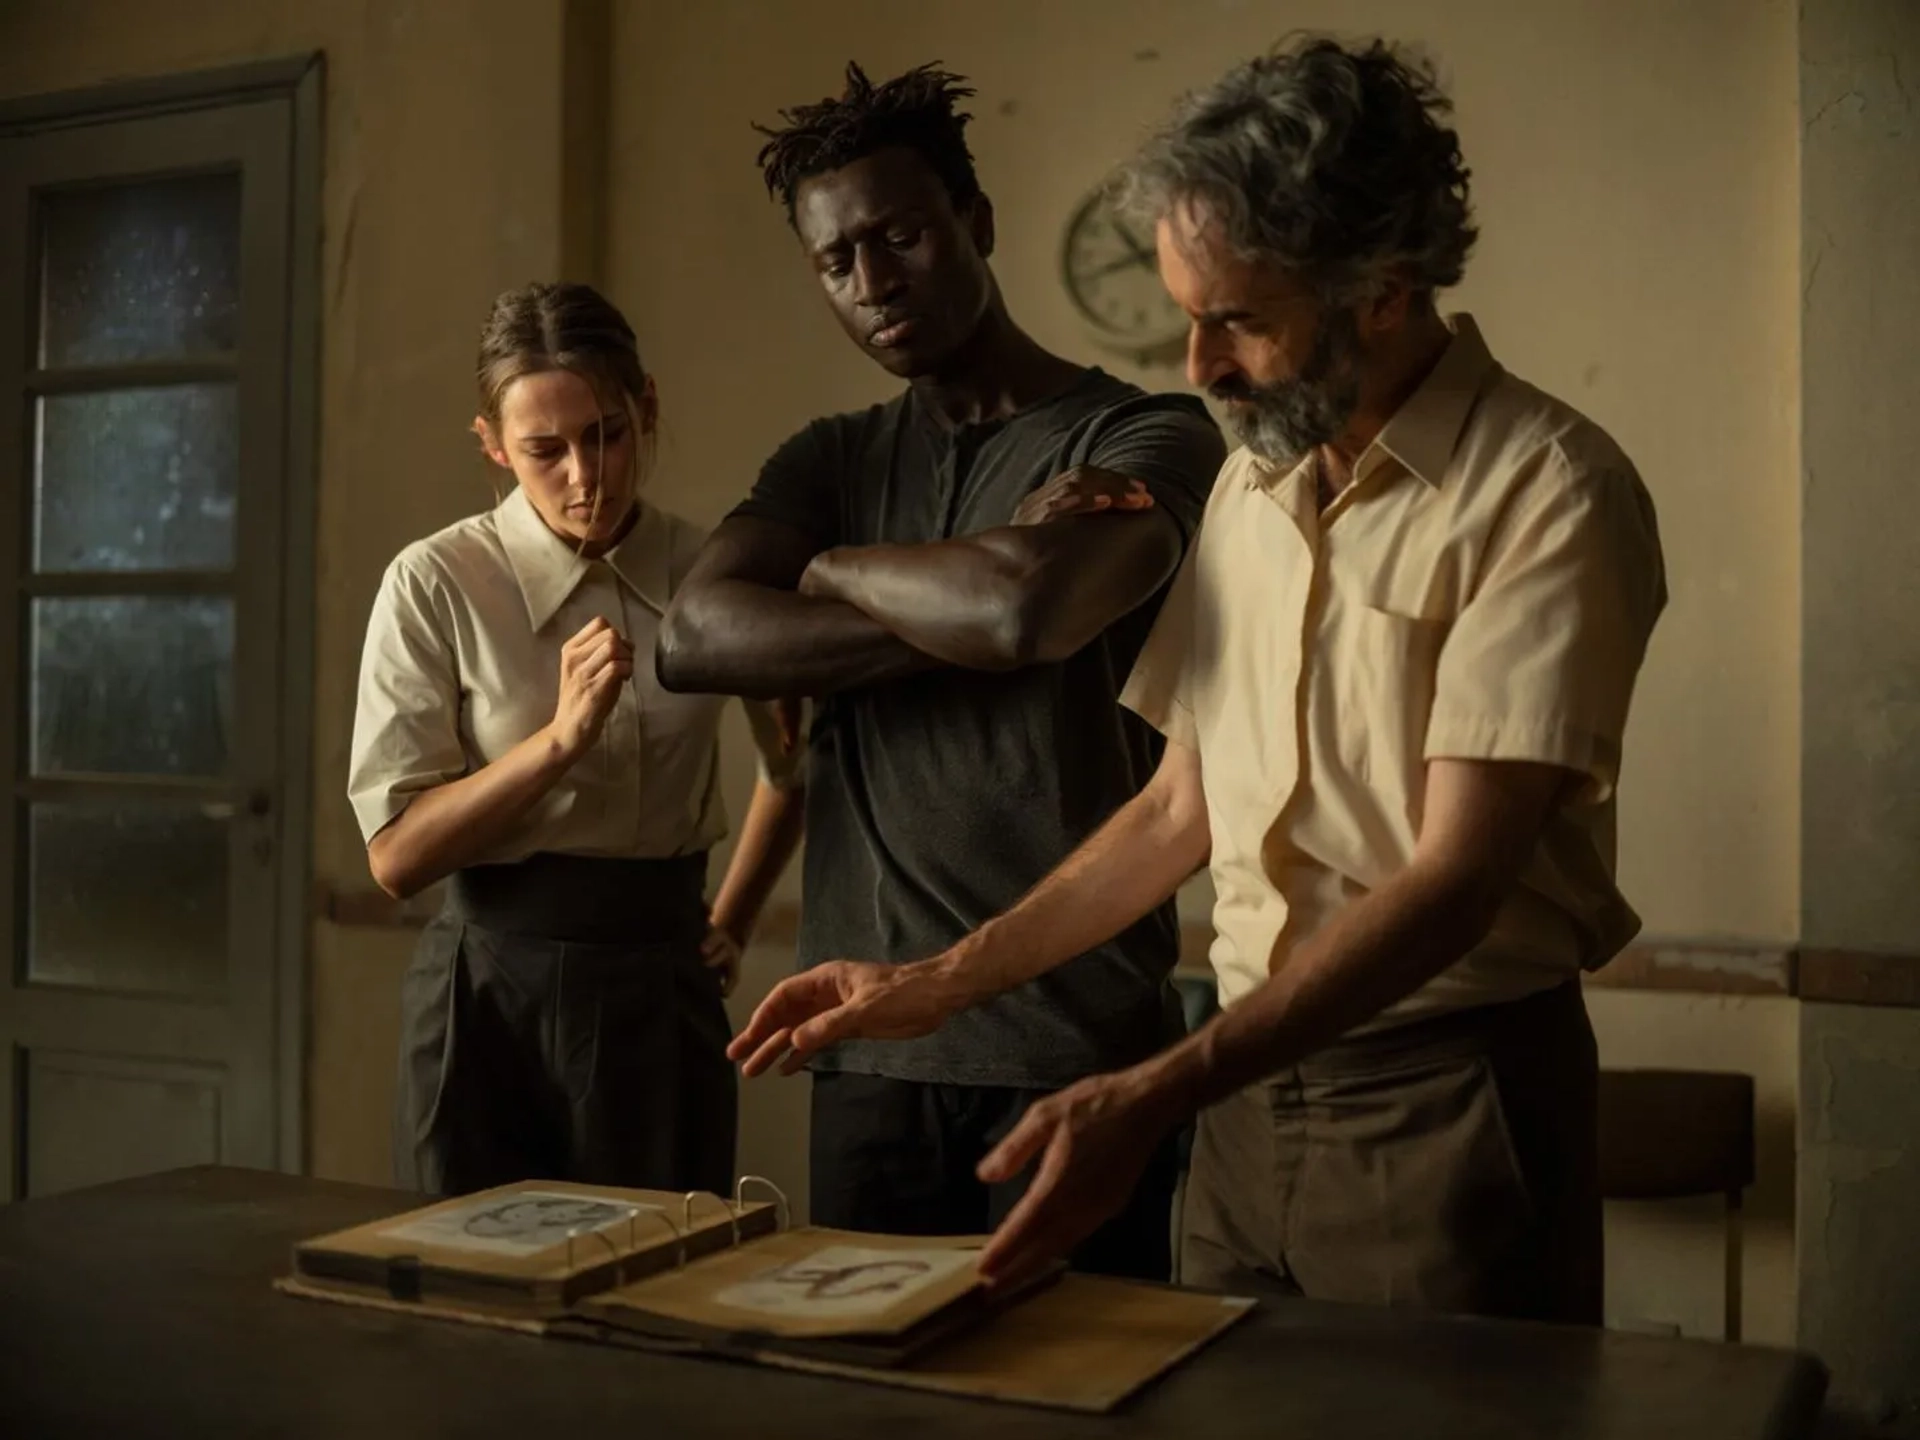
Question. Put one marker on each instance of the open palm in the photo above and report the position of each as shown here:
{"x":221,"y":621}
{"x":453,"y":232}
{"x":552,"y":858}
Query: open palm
{"x":840,"y":1000}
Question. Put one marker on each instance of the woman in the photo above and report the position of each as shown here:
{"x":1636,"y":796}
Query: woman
{"x":563,"y":1016}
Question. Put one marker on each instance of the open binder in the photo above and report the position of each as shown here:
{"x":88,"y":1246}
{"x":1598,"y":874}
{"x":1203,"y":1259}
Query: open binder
{"x":705,"y":1275}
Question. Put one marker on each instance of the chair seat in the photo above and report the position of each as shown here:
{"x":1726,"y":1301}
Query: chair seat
{"x":1665,"y":1134}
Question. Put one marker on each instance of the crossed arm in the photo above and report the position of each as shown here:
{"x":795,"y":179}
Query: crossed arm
{"x":766,"y":613}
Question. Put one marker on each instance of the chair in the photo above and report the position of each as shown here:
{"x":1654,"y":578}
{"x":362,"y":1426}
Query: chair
{"x":1668,"y":1134}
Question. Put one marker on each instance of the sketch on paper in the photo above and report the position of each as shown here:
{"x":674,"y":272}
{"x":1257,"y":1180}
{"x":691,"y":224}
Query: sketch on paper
{"x":522,"y":1224}
{"x":844,"y":1282}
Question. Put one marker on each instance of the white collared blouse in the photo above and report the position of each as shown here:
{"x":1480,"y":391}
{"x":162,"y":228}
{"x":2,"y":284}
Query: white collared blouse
{"x":462,"y":663}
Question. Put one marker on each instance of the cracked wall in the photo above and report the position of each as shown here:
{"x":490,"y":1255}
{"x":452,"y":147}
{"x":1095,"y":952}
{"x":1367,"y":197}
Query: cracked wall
{"x":1859,"y":1179}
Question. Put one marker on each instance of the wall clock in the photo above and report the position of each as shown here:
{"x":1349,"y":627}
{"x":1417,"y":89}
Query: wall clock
{"x":1108,"y":265}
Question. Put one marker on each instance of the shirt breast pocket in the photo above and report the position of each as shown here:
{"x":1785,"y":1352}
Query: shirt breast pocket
{"x":1388,"y":673}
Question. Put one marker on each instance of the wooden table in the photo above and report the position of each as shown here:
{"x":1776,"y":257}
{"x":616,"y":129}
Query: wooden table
{"x":143,"y":1308}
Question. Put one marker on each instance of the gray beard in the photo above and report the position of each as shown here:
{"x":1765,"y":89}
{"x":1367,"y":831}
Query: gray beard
{"x":1283,"y":422}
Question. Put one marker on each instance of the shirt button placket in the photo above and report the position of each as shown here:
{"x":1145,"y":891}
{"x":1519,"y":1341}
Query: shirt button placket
{"x":1295,"y":677}
{"x":629,"y":773}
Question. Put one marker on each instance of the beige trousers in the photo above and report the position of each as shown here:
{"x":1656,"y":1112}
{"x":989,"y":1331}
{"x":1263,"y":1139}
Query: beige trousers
{"x":1446,"y":1165}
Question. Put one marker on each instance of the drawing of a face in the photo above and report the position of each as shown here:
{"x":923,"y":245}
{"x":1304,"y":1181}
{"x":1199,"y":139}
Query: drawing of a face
{"x":845,"y":1282}
{"x":838,"y":1282}
{"x":525,"y":1219}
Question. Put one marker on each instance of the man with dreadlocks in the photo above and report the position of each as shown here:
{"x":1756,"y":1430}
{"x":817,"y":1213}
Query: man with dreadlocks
{"x":960,"y":579}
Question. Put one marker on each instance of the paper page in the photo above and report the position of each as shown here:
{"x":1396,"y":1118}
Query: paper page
{"x":843,"y":1282}
{"x":525,"y":1223}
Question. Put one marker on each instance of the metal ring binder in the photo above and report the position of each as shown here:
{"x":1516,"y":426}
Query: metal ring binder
{"x":683,"y":1230}
{"x":612,"y":1249}
{"x":686,"y":1213}
{"x":679,"y":1235}
{"x":783,"y":1213}
{"x":633,"y":1241}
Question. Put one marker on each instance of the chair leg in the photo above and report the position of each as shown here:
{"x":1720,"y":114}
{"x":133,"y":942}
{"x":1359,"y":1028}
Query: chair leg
{"x":1732,"y":1324}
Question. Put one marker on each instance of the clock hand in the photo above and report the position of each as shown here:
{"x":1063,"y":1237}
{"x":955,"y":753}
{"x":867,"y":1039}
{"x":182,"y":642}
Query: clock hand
{"x":1141,"y":254}
{"x":1125,"y":262}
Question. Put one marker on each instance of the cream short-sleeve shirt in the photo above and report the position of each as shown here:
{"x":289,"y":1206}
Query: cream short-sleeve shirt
{"x":462,"y":663}
{"x":1484,"y":589}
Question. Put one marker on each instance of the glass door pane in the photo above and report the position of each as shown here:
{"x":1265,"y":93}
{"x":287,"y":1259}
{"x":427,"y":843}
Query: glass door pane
{"x":132,"y":685}
{"x":140,"y":271}
{"x":128,"y":896}
{"x":137,"y":479}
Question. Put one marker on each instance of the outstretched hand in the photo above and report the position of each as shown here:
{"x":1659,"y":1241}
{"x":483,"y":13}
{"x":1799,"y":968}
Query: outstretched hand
{"x":1092,"y":1141}
{"x":841,"y":1000}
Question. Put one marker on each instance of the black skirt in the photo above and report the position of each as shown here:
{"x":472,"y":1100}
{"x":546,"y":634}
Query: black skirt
{"x":558,"y":1023}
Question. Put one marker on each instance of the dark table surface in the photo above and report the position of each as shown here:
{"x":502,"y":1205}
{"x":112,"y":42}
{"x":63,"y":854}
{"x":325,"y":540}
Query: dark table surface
{"x":144,"y":1308}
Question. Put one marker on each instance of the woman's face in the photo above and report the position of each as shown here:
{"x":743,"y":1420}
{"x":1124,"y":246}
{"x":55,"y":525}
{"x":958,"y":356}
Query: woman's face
{"x":574,"y":459}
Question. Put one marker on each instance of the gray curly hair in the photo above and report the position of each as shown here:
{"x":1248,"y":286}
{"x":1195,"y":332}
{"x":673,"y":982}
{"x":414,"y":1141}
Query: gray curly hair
{"x":1332,"y":161}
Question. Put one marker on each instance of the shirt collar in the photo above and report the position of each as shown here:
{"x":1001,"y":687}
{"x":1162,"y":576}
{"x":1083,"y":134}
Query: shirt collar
{"x":1425,"y":429}
{"x":549,"y":570}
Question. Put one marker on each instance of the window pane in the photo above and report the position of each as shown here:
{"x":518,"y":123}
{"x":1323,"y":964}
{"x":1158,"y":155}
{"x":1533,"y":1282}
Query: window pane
{"x":128,"y":897}
{"x":132,"y":684}
{"x":137,"y":479}
{"x":135,"y":272}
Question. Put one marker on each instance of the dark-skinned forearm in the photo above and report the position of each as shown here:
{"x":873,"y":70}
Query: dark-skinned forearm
{"x":953,"y":599}
{"x":1003,"y":598}
{"x":732,"y":637}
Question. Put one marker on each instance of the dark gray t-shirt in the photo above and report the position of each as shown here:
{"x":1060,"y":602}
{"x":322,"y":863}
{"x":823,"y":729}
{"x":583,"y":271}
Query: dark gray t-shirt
{"x":936,"y":801}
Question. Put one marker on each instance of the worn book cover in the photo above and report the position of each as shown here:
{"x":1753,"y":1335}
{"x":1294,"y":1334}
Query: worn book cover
{"x":828,"y":1294}
{"x":702,"y":1276}
{"x":533,"y":1247}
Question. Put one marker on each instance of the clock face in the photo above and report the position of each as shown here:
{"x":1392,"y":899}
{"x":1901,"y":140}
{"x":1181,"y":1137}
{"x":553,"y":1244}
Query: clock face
{"x":1113,"y":277}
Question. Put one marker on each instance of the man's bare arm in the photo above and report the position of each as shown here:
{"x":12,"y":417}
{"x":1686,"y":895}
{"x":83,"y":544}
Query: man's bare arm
{"x":1136,"y":861}
{"x":737,"y":626}
{"x":1009,"y":597}
{"x":1089,"y":1143}
{"x":1119,"y":873}
{"x":1483,"y":822}
{"x":763,"y":615}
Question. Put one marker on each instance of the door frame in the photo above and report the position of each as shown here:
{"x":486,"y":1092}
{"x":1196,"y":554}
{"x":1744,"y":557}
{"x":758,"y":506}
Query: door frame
{"x":299,"y":82}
